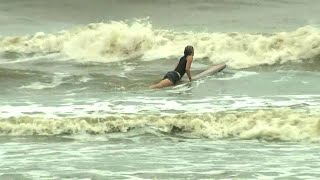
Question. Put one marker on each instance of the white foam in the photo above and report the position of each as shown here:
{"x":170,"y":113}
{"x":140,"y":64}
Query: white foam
{"x":164,"y":105}
{"x":85,"y":79}
{"x":282,"y":79}
{"x":41,"y":57}
{"x":238,"y":75}
{"x":276,"y":124}
{"x":118,"y":41}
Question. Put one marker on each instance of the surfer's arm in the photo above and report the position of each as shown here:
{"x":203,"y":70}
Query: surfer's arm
{"x":188,"y":66}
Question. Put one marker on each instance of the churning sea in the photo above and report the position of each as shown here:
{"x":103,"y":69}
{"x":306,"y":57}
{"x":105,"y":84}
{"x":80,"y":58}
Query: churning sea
{"x":75,"y":102}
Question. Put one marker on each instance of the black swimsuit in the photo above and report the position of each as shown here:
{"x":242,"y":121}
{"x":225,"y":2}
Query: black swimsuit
{"x":181,"y":68}
{"x":173,"y":76}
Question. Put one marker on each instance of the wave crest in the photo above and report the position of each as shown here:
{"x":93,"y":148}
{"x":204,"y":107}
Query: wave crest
{"x":278,"y":124}
{"x":118,"y":41}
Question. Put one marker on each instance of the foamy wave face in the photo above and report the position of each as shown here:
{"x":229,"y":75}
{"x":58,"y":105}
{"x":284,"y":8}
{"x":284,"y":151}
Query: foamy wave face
{"x":111,"y":42}
{"x":114,"y":41}
{"x":117,"y":41}
{"x":280,"y":124}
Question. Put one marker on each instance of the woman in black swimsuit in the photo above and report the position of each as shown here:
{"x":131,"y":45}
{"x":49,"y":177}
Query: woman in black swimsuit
{"x":172,"y":77}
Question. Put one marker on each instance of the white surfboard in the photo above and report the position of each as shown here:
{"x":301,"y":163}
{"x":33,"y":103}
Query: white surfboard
{"x":211,"y":71}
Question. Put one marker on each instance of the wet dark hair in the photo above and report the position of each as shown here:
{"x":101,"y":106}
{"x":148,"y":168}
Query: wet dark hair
{"x":188,"y":50}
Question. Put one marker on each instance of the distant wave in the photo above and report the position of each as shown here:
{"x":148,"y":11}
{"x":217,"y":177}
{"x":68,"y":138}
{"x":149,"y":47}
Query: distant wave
{"x":277,"y":124}
{"x":119,"y":41}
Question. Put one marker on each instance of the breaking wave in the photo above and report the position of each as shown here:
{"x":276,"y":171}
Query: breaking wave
{"x":119,"y":41}
{"x":269,"y":124}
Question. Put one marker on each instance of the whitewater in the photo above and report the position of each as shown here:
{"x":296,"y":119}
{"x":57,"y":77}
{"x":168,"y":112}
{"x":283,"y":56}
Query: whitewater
{"x":75,"y":101}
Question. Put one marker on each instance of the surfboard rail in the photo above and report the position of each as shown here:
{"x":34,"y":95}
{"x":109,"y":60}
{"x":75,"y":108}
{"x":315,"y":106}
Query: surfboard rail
{"x":211,"y":71}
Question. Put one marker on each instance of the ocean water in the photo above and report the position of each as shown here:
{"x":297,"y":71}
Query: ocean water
{"x":75,"y":102}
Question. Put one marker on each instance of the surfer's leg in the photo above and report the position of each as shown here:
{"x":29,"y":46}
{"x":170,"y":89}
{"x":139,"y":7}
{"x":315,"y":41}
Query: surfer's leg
{"x":162,"y":84}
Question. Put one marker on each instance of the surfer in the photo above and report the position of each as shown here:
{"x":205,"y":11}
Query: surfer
{"x":183,"y":66}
